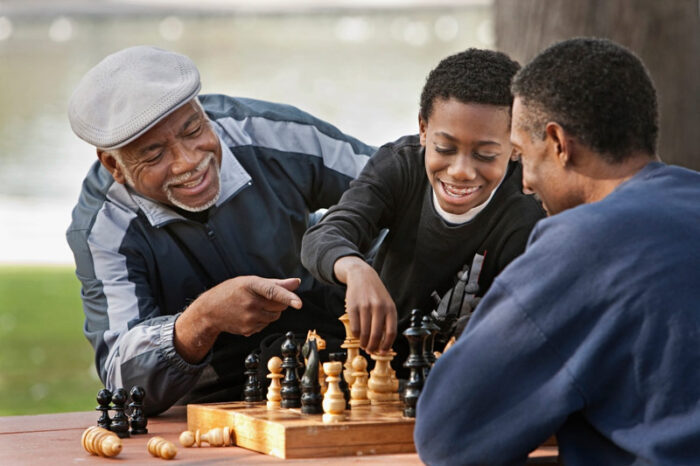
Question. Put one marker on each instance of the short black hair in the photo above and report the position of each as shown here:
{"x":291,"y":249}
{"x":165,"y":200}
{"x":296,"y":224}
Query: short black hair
{"x":595,"y":89}
{"x":473,"y":76}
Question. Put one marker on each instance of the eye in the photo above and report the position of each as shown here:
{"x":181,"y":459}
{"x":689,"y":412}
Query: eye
{"x":154,"y":158}
{"x":194,"y":132}
{"x":445,"y":150}
{"x":485,"y":157}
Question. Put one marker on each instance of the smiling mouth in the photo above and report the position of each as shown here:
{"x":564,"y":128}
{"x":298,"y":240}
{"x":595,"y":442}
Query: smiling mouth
{"x":457,"y":191}
{"x":191,"y":184}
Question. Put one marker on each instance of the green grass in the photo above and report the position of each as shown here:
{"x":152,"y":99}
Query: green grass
{"x":46,"y":364}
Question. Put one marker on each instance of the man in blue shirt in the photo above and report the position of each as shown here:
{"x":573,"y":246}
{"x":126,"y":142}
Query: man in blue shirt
{"x":592,"y":334}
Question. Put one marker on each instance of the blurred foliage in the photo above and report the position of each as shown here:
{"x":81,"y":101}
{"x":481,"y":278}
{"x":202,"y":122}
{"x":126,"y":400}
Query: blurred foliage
{"x":46,"y":363}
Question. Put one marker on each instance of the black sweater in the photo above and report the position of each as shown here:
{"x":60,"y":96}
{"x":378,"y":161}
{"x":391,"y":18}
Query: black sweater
{"x":422,"y":252}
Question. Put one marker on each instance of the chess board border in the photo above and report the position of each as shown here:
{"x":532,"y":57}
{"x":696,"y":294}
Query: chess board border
{"x":287,"y":433}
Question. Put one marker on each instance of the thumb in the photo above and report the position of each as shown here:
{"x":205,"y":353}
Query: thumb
{"x":290,"y":284}
{"x":273,"y":290}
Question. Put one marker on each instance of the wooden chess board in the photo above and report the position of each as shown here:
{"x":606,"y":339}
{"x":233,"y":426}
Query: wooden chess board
{"x":287,"y":433}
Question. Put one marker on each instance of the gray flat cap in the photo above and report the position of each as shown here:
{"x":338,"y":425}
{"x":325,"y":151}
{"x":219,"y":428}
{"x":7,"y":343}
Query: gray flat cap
{"x":128,"y":93}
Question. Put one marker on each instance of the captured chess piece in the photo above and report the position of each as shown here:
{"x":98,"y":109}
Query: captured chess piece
{"x":101,"y":442}
{"x":333,"y":400}
{"x":120,"y":423}
{"x":187,"y":439}
{"x":252,"y":392}
{"x":216,"y":437}
{"x":138,"y":420}
{"x":416,"y":363}
{"x":358,"y":393}
{"x":104,"y":398}
{"x":274,"y":365}
{"x":161,"y":448}
{"x":291,"y":391}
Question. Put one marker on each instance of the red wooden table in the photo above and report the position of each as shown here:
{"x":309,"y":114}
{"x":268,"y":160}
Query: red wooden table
{"x":55,"y":439}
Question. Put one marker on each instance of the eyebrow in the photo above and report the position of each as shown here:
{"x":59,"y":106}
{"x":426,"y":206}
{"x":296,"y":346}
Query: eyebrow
{"x":478,"y":143}
{"x":157,"y":145}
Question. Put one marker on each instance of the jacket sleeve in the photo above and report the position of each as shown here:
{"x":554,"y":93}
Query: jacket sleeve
{"x":133,"y":342}
{"x":350,"y":227}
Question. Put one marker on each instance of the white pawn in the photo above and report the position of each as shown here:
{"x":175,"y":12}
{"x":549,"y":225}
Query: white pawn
{"x":161,"y":448}
{"x":216,"y":437}
{"x":358,"y":393}
{"x":274,"y":398}
{"x":334,"y":399}
{"x":382,"y":386}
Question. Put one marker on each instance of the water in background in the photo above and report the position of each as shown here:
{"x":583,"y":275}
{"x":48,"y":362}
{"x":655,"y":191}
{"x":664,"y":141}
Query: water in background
{"x":362,"y":71}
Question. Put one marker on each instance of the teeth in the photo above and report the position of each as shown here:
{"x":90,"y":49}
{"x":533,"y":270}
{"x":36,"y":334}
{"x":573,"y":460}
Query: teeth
{"x":192,"y":184}
{"x":454,"y":191}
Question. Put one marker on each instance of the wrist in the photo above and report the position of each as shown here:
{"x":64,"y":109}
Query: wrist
{"x":194,"y":333}
{"x":347,"y":266}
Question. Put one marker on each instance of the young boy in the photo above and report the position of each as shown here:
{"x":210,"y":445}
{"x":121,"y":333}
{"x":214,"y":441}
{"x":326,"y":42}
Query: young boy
{"x":445,"y":196}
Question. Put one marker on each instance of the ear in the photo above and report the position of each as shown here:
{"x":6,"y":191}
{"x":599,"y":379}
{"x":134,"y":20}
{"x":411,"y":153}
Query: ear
{"x":422,"y":128}
{"x":558,"y":144}
{"x":108,"y":161}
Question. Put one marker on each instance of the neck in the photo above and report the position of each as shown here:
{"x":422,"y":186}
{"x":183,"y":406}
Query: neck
{"x":605,"y":177}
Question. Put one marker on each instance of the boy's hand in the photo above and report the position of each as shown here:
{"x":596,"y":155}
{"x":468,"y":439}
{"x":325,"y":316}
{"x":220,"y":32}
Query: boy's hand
{"x":370,"y":308}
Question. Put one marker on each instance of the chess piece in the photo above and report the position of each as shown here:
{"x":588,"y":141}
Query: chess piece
{"x":333,"y":400}
{"x":291,"y":391}
{"x":104,"y":398}
{"x":429,"y":350}
{"x":138,"y":420}
{"x":101,"y":442}
{"x":358,"y":393}
{"x":252,"y":392}
{"x":352,"y":347}
{"x":187,"y":439}
{"x":416,"y":335}
{"x":310,"y":388}
{"x":382,"y":384}
{"x":321,"y":345}
{"x":216,"y":437}
{"x":340,"y":356}
{"x":274,"y":365}
{"x":120,"y":423}
{"x":161,"y":448}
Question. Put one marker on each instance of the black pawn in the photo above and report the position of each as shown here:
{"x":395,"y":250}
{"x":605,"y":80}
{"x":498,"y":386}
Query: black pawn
{"x":416,"y":336}
{"x":120,"y":423}
{"x":429,"y":350}
{"x":343,"y":384}
{"x":138,"y":420}
{"x":104,"y":398}
{"x":291,"y":390}
{"x":252,"y":392}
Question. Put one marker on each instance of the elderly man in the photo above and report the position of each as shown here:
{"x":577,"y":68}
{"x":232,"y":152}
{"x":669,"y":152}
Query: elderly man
{"x":593,"y":332}
{"x":195,"y":199}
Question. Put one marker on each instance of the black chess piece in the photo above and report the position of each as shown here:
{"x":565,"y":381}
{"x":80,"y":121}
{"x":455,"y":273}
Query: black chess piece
{"x":311,"y":397}
{"x":138,"y":420}
{"x":252,"y":391}
{"x":120,"y":423}
{"x":343,"y":384}
{"x":429,"y":350}
{"x":290,"y":391}
{"x":416,"y":362}
{"x":104,"y":398}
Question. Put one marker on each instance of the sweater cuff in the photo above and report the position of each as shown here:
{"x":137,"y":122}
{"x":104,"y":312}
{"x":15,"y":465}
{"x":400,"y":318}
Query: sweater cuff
{"x":329,"y":259}
{"x":167,"y":349}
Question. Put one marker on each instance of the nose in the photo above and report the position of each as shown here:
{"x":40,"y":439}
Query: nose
{"x":184,"y":160}
{"x":461,"y":168}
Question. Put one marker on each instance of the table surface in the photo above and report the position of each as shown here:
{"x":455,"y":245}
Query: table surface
{"x":55,"y":438}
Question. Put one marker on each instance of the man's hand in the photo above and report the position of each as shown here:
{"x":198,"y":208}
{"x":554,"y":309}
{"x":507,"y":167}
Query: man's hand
{"x":371,"y":310}
{"x":243,"y":305}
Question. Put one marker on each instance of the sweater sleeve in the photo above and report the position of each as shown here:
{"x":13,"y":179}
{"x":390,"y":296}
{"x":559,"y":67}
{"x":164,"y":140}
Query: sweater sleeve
{"x":350,"y":227}
{"x":498,"y":393}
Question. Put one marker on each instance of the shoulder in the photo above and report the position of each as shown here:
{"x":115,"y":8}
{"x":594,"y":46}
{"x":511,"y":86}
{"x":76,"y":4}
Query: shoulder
{"x":405,"y":151}
{"x":269,"y":118}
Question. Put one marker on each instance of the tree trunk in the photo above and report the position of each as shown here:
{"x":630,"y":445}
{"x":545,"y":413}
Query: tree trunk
{"x":665,"y":34}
